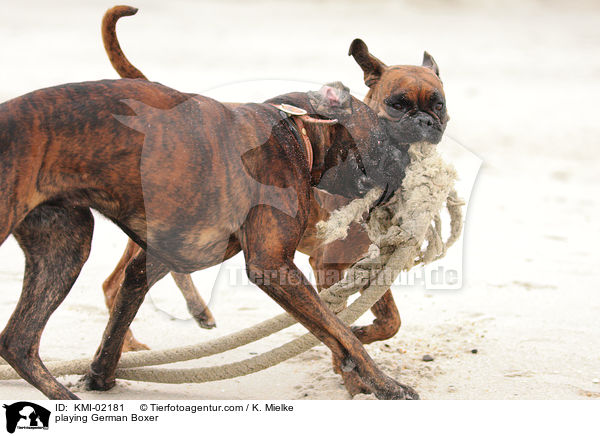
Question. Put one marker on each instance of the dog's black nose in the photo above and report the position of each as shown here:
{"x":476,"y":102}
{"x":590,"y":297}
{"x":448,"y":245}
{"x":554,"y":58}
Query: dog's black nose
{"x":424,"y":120}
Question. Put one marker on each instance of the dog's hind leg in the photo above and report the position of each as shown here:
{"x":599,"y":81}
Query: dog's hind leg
{"x":111,"y":287}
{"x":56,"y":241}
{"x":140,"y":274}
{"x":386,"y":323}
{"x":387,"y":318}
{"x":195,"y":304}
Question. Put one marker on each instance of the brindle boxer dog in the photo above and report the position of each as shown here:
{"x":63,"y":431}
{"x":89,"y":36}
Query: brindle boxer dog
{"x":192,"y":182}
{"x":328,"y":261}
{"x":410,"y":100}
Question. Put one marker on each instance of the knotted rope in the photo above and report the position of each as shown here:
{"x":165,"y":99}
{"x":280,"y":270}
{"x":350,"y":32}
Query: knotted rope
{"x":398,"y":231}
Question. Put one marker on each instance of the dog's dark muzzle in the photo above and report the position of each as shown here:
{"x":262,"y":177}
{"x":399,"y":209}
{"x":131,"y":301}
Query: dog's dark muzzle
{"x":420,"y":127}
{"x":384,"y":167}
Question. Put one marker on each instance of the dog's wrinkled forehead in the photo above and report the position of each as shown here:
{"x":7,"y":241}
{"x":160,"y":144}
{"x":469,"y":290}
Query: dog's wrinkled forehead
{"x":417,"y":84}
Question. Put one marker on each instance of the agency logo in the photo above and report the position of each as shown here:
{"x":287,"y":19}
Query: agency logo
{"x":27,"y":416}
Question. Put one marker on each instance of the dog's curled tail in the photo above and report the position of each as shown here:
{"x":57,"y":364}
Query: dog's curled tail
{"x":111,"y":44}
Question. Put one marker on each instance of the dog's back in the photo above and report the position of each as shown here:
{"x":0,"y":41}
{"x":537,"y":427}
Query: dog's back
{"x":50,"y":137}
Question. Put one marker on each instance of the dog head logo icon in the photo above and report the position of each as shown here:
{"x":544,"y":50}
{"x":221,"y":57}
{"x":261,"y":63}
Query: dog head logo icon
{"x":26,"y":415}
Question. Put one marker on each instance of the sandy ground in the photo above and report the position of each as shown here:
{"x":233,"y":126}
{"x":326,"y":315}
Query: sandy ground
{"x":523,"y":87}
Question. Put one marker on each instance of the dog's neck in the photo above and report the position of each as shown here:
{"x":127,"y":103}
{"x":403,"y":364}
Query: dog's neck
{"x":321,"y":139}
{"x":314,"y":135}
{"x":320,"y":133}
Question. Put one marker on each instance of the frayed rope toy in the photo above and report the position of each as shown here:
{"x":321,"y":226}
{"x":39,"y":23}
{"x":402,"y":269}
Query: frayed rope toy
{"x":398,"y":231}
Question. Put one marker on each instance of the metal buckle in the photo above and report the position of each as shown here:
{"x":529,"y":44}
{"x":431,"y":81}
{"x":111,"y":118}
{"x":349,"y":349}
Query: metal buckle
{"x":290,"y":110}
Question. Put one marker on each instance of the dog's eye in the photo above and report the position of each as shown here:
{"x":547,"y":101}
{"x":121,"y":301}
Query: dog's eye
{"x":439,"y":106}
{"x":399,"y":103}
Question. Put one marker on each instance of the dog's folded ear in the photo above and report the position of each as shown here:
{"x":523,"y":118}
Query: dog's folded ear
{"x":333,"y":98}
{"x":331,"y":95}
{"x":372,"y":67}
{"x":429,"y":62}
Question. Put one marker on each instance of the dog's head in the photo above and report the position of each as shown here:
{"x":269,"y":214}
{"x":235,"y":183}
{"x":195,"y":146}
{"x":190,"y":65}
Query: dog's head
{"x":353,"y":155}
{"x":409,"y":99}
{"x":358,"y":154}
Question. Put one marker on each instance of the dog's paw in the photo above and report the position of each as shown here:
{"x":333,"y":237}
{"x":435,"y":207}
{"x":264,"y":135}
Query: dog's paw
{"x":398,"y":391}
{"x":359,"y":331}
{"x":91,"y":382}
{"x":205,"y":321}
{"x":410,"y":393}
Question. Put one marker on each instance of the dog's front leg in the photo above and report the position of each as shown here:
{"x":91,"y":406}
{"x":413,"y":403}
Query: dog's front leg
{"x":269,"y":239}
{"x":384,"y":326}
{"x":141,"y":273}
